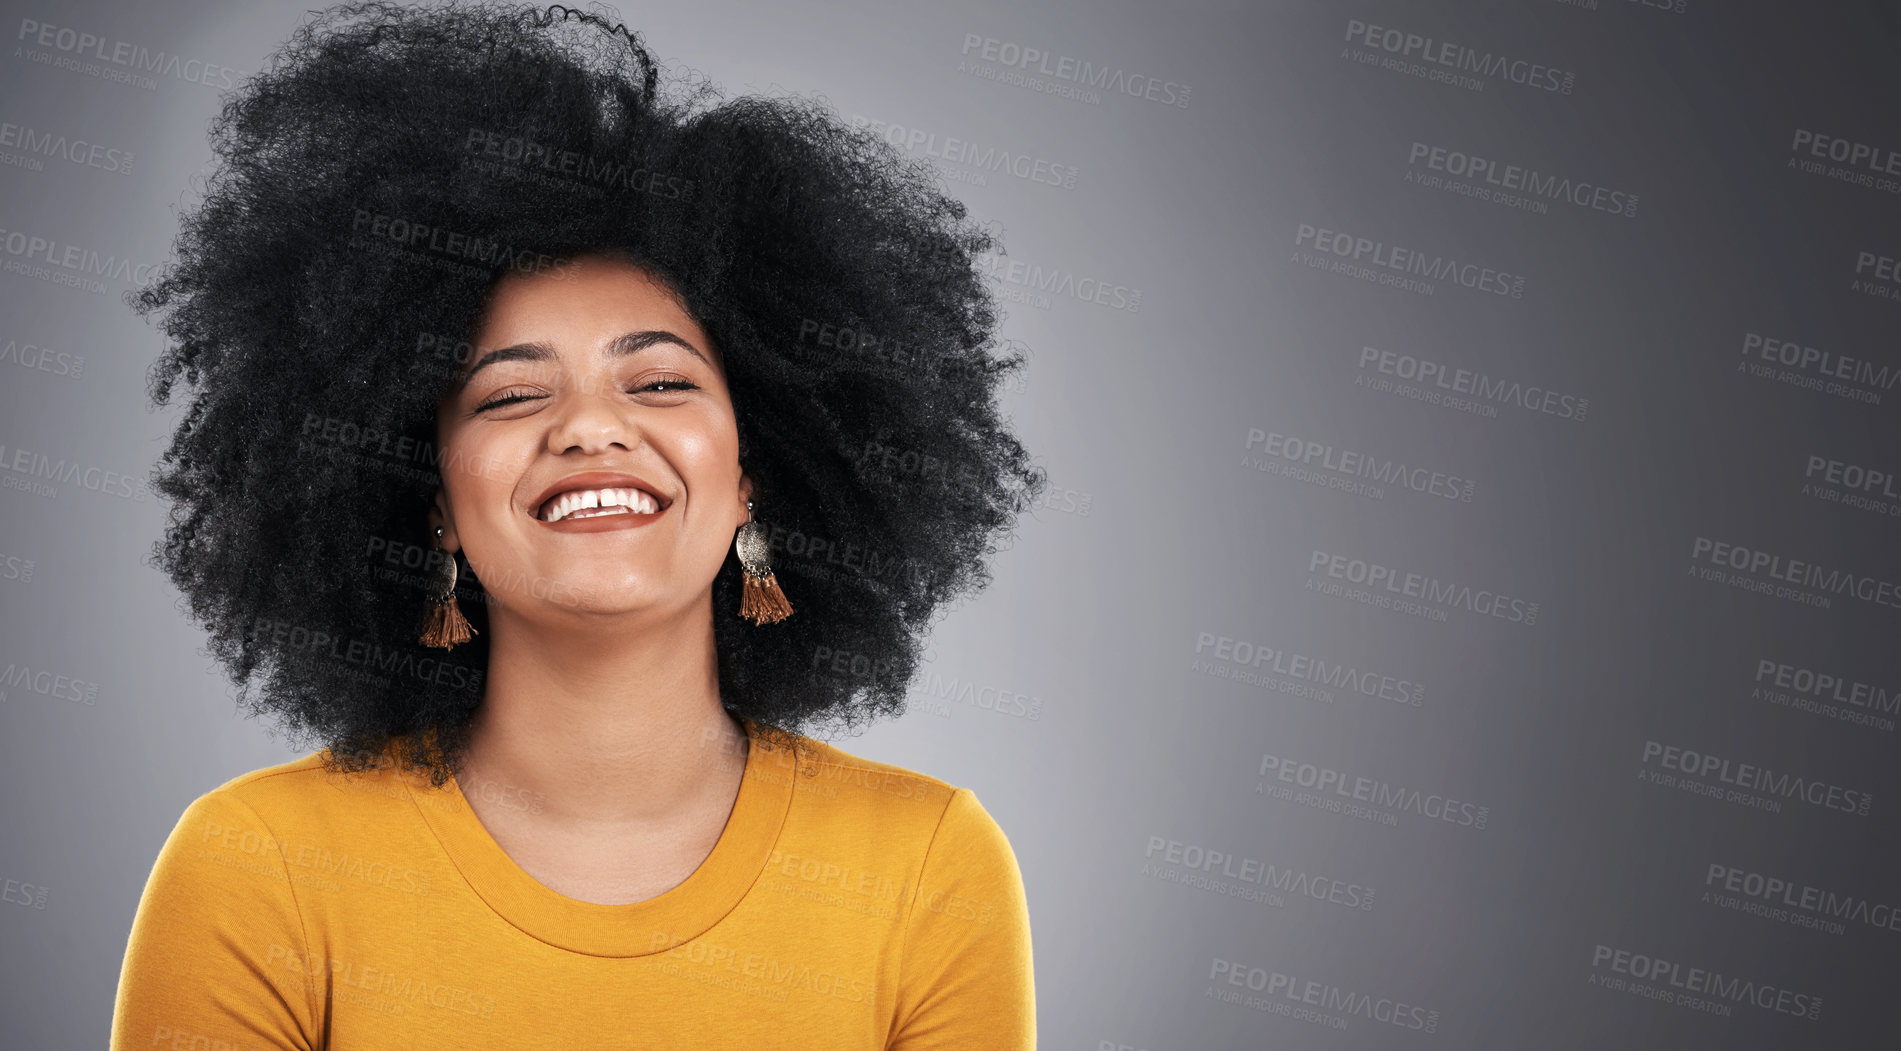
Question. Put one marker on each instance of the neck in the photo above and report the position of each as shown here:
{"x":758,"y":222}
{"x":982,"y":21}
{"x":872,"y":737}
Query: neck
{"x":621,"y":724}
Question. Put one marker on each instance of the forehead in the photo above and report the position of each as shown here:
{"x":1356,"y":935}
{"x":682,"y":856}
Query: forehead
{"x":585,"y":300}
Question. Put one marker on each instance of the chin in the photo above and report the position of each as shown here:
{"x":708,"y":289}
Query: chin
{"x":594,"y":598}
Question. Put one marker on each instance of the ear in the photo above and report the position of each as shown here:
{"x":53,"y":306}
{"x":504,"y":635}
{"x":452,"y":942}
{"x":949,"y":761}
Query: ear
{"x":745,"y":494}
{"x":441,"y":516}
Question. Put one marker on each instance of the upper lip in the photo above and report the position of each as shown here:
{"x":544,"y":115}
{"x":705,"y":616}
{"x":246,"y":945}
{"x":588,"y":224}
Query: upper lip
{"x":598,"y":480}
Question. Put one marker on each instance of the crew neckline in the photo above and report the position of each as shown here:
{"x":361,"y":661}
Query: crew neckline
{"x":640,"y":928}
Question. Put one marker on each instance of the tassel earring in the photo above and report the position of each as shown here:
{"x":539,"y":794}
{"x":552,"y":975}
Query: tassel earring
{"x":760,"y":601}
{"x":444,"y":626}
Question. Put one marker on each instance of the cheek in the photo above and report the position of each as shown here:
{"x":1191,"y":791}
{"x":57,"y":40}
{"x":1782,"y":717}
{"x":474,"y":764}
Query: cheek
{"x":700,"y":441}
{"x":480,"y":474}
{"x":708,"y":460}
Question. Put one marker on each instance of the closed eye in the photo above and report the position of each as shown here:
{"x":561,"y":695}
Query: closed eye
{"x":668,"y":385}
{"x":673,"y":383}
{"x":507,"y":399}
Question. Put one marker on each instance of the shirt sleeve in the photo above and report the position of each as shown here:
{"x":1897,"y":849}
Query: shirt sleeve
{"x":217,"y":957}
{"x":966,"y":978}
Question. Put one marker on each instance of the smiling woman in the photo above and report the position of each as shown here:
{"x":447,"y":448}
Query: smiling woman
{"x":477,"y":290}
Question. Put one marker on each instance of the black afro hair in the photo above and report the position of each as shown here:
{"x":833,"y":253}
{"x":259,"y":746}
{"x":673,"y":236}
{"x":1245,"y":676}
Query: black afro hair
{"x":376,"y":179}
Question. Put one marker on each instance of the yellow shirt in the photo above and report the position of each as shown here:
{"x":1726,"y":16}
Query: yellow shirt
{"x":847,"y":904}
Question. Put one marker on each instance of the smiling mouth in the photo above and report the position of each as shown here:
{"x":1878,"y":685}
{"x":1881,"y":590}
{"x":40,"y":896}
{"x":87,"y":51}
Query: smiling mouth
{"x":597,"y":503}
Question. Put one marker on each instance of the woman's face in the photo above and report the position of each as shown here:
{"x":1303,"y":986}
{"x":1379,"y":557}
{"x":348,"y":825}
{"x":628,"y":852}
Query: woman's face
{"x":590,"y":459}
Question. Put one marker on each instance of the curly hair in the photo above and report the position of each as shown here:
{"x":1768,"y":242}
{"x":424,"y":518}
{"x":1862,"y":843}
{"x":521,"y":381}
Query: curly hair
{"x":372,"y":184}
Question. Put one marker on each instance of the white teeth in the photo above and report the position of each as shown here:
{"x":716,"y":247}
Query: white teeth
{"x":603,"y":501}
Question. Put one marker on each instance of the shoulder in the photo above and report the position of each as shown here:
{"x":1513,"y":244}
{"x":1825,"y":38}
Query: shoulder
{"x":262,"y":782}
{"x":836,"y":773}
{"x":965,"y":961}
{"x":944,"y":821}
{"x":299,"y":800}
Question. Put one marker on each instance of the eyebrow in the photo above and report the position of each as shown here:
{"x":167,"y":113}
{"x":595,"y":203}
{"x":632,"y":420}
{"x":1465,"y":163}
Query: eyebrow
{"x":621,"y":346}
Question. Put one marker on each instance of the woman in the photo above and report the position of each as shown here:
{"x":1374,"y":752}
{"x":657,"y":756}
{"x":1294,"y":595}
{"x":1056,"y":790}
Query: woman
{"x":558,"y":446}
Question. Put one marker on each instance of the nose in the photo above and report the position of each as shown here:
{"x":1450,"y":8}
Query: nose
{"x":592,"y":419}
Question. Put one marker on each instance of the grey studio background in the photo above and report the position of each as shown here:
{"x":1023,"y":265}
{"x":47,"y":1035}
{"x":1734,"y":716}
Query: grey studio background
{"x":1463,"y":610}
